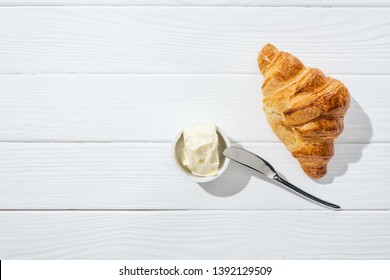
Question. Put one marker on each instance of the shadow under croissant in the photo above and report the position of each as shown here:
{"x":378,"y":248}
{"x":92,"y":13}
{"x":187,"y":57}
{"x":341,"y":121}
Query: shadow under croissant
{"x":358,"y":127}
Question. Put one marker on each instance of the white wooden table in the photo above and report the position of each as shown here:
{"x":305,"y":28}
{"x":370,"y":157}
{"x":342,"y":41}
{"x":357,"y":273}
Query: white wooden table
{"x":92,"y":93}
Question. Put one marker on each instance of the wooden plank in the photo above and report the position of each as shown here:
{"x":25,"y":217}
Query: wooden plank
{"x":195,"y":235}
{"x":184,"y":40}
{"x":263,"y":3}
{"x":156,"y":107}
{"x":142,"y":176}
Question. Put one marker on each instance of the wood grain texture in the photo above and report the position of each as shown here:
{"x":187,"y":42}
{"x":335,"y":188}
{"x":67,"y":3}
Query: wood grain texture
{"x":195,"y":235}
{"x":264,"y":3}
{"x":179,"y":40}
{"x":156,"y":107}
{"x":143,"y":176}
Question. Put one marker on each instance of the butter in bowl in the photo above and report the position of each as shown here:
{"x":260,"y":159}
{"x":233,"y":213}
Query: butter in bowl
{"x":198,"y":152}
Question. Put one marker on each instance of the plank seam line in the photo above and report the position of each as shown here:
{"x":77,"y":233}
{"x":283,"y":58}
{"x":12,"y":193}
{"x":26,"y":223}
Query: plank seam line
{"x":192,"y":210}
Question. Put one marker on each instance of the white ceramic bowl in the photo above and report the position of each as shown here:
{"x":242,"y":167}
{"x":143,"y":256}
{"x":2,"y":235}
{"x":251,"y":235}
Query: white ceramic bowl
{"x":177,"y":150}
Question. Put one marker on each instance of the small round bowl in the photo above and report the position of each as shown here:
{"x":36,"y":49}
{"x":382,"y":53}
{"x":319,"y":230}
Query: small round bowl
{"x":177,"y":150}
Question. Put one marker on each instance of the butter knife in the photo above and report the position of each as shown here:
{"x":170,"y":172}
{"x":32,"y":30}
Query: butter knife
{"x":260,"y":165}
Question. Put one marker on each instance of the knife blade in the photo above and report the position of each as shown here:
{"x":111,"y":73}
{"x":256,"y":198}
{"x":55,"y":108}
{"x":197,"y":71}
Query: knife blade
{"x":262,"y":166}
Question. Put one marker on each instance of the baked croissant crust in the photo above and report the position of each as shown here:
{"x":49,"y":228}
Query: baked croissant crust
{"x":304,"y":107}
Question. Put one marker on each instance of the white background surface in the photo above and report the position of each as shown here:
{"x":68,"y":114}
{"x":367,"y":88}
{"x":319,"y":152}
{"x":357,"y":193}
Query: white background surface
{"x":92,"y":93}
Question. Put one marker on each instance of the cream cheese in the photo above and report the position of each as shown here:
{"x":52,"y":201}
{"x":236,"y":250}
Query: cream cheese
{"x":200,"y":152}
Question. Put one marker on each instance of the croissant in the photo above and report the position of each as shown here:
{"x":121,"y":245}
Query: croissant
{"x":304,"y":108}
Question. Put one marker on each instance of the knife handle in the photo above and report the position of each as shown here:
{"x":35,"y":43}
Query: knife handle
{"x":305,"y":194}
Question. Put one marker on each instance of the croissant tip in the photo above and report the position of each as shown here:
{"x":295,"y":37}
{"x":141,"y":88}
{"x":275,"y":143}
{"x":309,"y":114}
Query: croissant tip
{"x":268,"y":47}
{"x":266,"y":56}
{"x":315,"y":172}
{"x":316,"y":177}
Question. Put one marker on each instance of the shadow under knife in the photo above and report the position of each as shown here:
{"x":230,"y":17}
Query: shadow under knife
{"x":235,"y":178}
